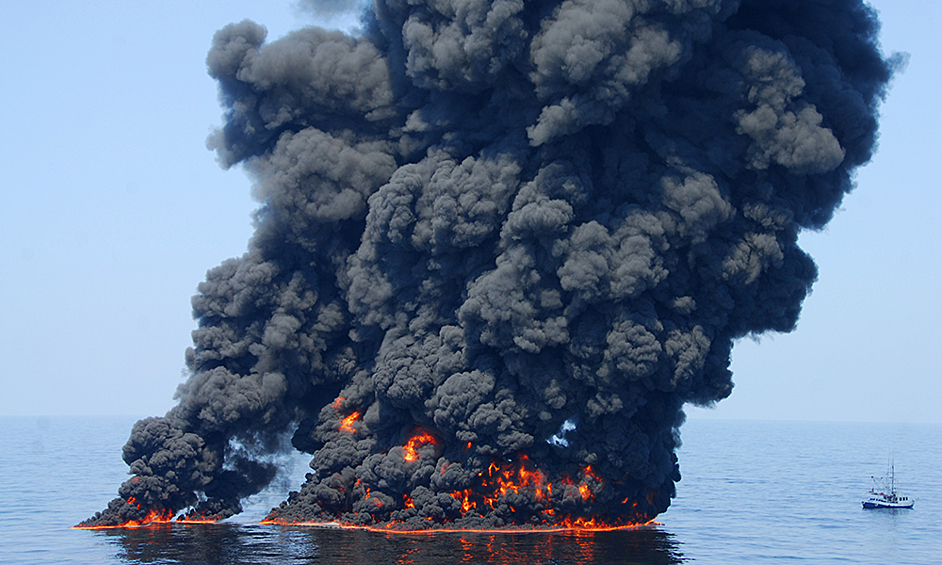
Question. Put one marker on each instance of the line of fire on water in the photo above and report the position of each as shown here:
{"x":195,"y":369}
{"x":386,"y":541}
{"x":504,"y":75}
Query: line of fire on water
{"x":153,"y":519}
{"x":577,"y":526}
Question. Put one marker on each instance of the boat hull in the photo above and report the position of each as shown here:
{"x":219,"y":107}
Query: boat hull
{"x":869,"y":504}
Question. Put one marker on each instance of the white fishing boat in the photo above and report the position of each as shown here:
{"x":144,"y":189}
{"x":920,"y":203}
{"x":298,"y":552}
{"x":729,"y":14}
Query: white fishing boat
{"x":883,"y":493}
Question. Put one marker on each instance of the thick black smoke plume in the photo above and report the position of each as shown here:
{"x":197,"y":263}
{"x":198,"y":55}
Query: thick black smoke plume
{"x":501,"y":244}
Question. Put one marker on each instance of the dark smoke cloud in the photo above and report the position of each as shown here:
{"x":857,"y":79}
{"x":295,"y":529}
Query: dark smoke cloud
{"x":520,"y":235}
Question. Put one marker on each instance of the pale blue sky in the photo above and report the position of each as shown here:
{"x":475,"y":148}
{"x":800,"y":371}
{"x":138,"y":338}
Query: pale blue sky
{"x":113,"y":210}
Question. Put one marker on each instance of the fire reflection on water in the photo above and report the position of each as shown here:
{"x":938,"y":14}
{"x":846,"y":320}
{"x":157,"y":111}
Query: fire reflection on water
{"x":235,"y":544}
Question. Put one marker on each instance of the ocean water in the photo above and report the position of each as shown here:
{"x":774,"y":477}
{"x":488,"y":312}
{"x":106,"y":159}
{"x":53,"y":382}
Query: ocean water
{"x":752,"y":492}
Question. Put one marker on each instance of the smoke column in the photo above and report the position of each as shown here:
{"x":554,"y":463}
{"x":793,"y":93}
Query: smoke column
{"x":501,"y":243}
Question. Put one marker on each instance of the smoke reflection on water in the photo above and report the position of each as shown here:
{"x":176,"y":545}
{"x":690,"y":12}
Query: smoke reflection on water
{"x":236,"y":544}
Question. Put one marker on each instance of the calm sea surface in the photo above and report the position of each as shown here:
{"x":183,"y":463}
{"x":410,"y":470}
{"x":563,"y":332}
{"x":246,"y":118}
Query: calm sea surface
{"x":752,"y":492}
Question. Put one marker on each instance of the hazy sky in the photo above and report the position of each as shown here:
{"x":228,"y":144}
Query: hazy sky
{"x":114,"y":209}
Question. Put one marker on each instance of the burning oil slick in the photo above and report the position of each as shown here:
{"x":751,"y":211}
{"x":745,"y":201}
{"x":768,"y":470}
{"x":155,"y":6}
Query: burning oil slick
{"x":500,"y":245}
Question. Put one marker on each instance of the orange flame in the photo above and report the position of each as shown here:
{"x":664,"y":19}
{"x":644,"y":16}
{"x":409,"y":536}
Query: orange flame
{"x":154,"y":517}
{"x":464,"y":496}
{"x":418,"y":440}
{"x":502,"y":480}
{"x":346,"y":425}
{"x":194,"y":518}
{"x":584,"y":491}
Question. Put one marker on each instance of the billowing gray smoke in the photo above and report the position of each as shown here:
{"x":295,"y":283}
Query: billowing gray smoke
{"x":501,"y":244}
